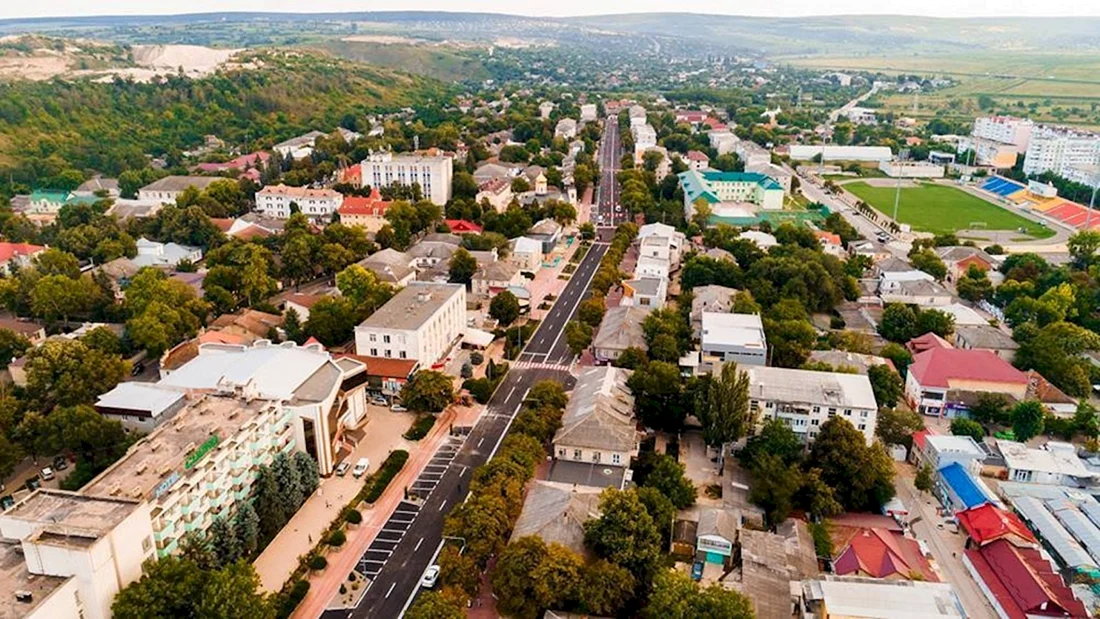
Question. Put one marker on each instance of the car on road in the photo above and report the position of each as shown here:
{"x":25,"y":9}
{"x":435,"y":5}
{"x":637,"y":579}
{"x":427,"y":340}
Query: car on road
{"x":431,"y":575}
{"x":378,"y":400}
{"x":397,"y":408}
{"x":618,"y":208}
{"x":360,"y":467}
{"x":342,"y":469}
{"x":137,"y":369}
{"x":47,"y":474}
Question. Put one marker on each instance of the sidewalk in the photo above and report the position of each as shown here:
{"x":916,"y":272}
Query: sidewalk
{"x":279,"y":560}
{"x":546,"y":282}
{"x":324,"y":585}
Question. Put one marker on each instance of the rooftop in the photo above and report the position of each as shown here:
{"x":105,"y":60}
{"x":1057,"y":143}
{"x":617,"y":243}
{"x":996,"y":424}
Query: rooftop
{"x":600,"y":412}
{"x":179,"y":183}
{"x":262,"y":370}
{"x":770,"y":561}
{"x":948,"y":443}
{"x":880,"y":553}
{"x":1024,"y":583}
{"x":621,"y":328}
{"x":136,"y":396}
{"x":412,"y":306}
{"x":746,"y":330}
{"x":556,"y":512}
{"x":1046,"y":460}
{"x":940,"y":367}
{"x":298,"y":193}
{"x":963,"y":484}
{"x":166,"y":450}
{"x":81,"y":514}
{"x":592,"y":474}
{"x":867,"y":598}
{"x":14,"y":577}
{"x":807,"y":386}
{"x":986,"y":336}
{"x":987,"y":522}
{"x":861,"y":363}
{"x":698,"y":183}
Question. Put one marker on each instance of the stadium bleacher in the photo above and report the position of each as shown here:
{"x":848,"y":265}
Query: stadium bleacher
{"x":1001,"y":186}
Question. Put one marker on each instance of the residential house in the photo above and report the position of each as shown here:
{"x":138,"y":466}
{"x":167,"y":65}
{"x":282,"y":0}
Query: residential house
{"x":879,"y":552}
{"x":302,"y":303}
{"x":805,"y":399}
{"x":1054,"y":464}
{"x":248,"y":166}
{"x":497,"y":192}
{"x":959,"y":259}
{"x":940,"y":450}
{"x":938,"y":375}
{"x":716,"y":534}
{"x":461,"y":226}
{"x":525,"y":253}
{"x":1049,"y":395}
{"x":427,"y":253}
{"x":621,"y":328}
{"x":154,"y":254}
{"x":386,"y":376}
{"x":986,"y":337}
{"x":316,"y":204}
{"x":677,"y":240}
{"x":763,"y":240}
{"x":17,"y":255}
{"x":368,"y":213}
{"x":734,"y":337}
{"x":118,"y":272}
{"x":874,"y":250}
{"x":167,"y":189}
{"x":97,"y":186}
{"x":494,"y":277}
{"x":846,"y":597}
{"x":492,"y":171}
{"x":556,"y":513}
{"x":32,"y":331}
{"x":422,"y":322}
{"x":1021,"y":582}
{"x":645,"y":292}
{"x":566,"y":129}
{"x":697,"y":160}
{"x":544,"y":109}
{"x":769,"y":564}
{"x":830,"y":243}
{"x":710,"y":298}
{"x":650,"y":266}
{"x":598,"y":428}
{"x":842,"y":359}
{"x":548,"y":232}
{"x":299,"y":147}
{"x":390,"y":266}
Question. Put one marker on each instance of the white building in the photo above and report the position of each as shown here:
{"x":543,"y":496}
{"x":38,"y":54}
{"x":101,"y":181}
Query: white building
{"x":805,"y":399}
{"x":911,"y":169}
{"x":544,"y":109}
{"x":316,"y":204}
{"x":1055,"y":464}
{"x":645,"y":292}
{"x":167,"y":189}
{"x":432,"y":172}
{"x":645,"y":137}
{"x":525,"y":253}
{"x":722,"y":140}
{"x":861,"y":115}
{"x":588,"y":113}
{"x":299,"y":147}
{"x":139,"y":406}
{"x":1061,"y":150}
{"x":637,"y":115}
{"x":716,"y":187}
{"x":152,"y":253}
{"x":751,"y":154}
{"x":833,"y":597}
{"x":649,"y":266}
{"x":1004,"y":130}
{"x":780,"y":174}
{"x":65,"y":555}
{"x":566,"y":129}
{"x":734,"y":337}
{"x":422,"y":321}
{"x":832,"y":152}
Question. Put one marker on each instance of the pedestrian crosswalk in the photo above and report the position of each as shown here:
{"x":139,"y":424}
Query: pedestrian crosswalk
{"x":541,"y":365}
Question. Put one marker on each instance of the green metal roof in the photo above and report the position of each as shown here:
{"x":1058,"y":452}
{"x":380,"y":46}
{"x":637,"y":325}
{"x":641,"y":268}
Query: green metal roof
{"x":49,"y":195}
{"x":696,"y":184}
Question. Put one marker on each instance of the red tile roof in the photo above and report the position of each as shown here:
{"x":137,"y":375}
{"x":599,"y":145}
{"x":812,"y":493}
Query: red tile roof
{"x":831,"y":238}
{"x":694,"y":155}
{"x":925,"y":342}
{"x":11,"y":250}
{"x":305,"y":300}
{"x":461,"y":226}
{"x":371,"y":205}
{"x":223,"y":223}
{"x":386,"y":367}
{"x":880,"y":553}
{"x":1023,"y":582}
{"x":918,"y":438}
{"x":988,"y":523}
{"x":939,"y":366}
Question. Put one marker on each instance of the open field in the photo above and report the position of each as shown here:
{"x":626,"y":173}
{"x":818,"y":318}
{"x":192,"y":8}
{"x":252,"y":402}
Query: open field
{"x":941,"y":209}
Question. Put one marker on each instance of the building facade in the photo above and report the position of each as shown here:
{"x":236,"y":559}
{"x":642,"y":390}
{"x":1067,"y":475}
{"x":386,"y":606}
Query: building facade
{"x":805,"y":399}
{"x":715,"y":187}
{"x":1061,"y":150}
{"x":316,"y":204}
{"x":422,"y":322}
{"x":431,"y":172}
{"x":734,"y":337}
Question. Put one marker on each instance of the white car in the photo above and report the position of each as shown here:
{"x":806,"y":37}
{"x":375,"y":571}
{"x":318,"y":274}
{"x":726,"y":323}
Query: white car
{"x":430,"y":576}
{"x":47,"y":474}
{"x":360,"y":467}
{"x":397,"y":408}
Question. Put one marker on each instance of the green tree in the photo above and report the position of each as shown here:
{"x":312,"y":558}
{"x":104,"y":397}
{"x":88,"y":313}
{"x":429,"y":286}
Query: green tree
{"x":631,"y":358}
{"x":1056,"y":351}
{"x":578,"y":336}
{"x":246,"y":528}
{"x":723,"y":407}
{"x":605,"y":588}
{"x":775,"y":438}
{"x":462,"y":268}
{"x":428,"y":392}
{"x":513,"y":577}
{"x":547,"y":393}
{"x":670,"y":478}
{"x":292,"y":326}
{"x":926,"y":260}
{"x":961,"y":426}
{"x":817,"y":497}
{"x":897,"y":354}
{"x":774,"y":486}
{"x":923,"y":480}
{"x":862,"y":475}
{"x":658,"y":396}
{"x":676,"y":596}
{"x":504,"y":307}
{"x":1027,"y":420}
{"x":591,"y":310}
{"x":886,"y":385}
{"x":899,"y":323}
{"x":57,"y":297}
{"x":67,"y":372}
{"x":175,"y":587}
{"x":990,"y":408}
{"x":332,"y":320}
{"x":435,"y":605}
{"x":1084,"y":420}
{"x":625,"y":534}
{"x":896,"y":426}
{"x":789,"y":341}
{"x":12,"y":346}
{"x":363,"y":290}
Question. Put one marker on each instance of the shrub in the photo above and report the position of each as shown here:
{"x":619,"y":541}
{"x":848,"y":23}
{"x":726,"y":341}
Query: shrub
{"x":289,"y":599}
{"x":353,"y":516}
{"x":343,"y":589}
{"x":337,"y":538}
{"x":420,"y":427}
{"x":477,"y":358}
{"x":376,"y":484}
{"x":480,"y":388}
{"x":317,"y":562}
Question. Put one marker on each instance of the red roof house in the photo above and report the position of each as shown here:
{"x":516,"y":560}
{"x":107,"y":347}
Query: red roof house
{"x":354,"y":210}
{"x":1020,"y":583}
{"x":883,"y":553}
{"x":462,"y":226}
{"x":928,"y":341}
{"x":940,"y":376}
{"x":19,"y":253}
{"x":988,"y":523}
{"x":697,"y":156}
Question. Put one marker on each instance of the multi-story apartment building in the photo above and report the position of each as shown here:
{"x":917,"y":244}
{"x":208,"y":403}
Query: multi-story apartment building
{"x":1004,"y":130}
{"x":1064,"y":151}
{"x":588,"y":112}
{"x":65,"y":555}
{"x":805,"y":399}
{"x":645,"y":137}
{"x":432,"y":172}
{"x":421,"y":322}
{"x":316,"y":204}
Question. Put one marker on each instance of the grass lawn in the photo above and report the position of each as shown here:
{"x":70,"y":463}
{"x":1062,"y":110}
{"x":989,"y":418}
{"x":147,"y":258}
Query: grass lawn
{"x":941,"y":209}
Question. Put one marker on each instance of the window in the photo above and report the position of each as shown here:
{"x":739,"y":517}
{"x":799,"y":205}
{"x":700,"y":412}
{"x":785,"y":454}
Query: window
{"x":768,"y":404}
{"x":385,"y":339}
{"x":863,"y":414}
{"x":616,"y":459}
{"x":374,"y":352}
{"x":578,"y":454}
{"x":561,"y":452}
{"x":817,"y":409}
{"x":595,"y":456}
{"x":862,"y":427}
{"x":403,"y":355}
{"x":814,"y":422}
{"x":832,"y":411}
{"x":389,"y":353}
{"x":847,"y":411}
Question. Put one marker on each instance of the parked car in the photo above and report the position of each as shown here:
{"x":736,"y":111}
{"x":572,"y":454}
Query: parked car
{"x":47,"y":474}
{"x":360,"y":467}
{"x":138,"y":369}
{"x":342,"y":469}
{"x":397,"y":408}
{"x":378,"y":400}
{"x":60,"y":464}
{"x":6,"y":502}
{"x":430,"y":576}
{"x":33,"y":484}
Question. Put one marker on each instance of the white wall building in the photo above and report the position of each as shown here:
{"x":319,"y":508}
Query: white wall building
{"x":734,"y":337}
{"x":422,"y":322}
{"x":1061,"y":150}
{"x":316,"y":204}
{"x":167,"y":189}
{"x":911,"y":169}
{"x":1055,"y":464}
{"x":1004,"y":130}
{"x":566,"y":128}
{"x":832,"y":152}
{"x":598,"y":424}
{"x":805,"y":399}
{"x":645,"y":137}
{"x":588,"y":113}
{"x":432,"y":172}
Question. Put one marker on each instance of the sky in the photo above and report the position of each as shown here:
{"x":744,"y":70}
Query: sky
{"x":558,"y":8}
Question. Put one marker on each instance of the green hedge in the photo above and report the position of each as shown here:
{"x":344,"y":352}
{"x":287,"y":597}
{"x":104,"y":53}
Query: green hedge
{"x":376,"y":484}
{"x":289,"y":599}
{"x":420,"y":427}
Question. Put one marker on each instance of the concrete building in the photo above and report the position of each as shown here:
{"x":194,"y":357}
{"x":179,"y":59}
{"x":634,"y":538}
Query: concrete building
{"x":1054,"y":464}
{"x":368,"y":213}
{"x":588,"y":113}
{"x":1015,"y":132}
{"x":497,"y":192}
{"x":645,"y":138}
{"x":911,"y":169}
{"x":432,"y":172}
{"x":940,"y":450}
{"x":734,"y":337}
{"x":861,"y":115}
{"x":651,"y":266}
{"x":493,"y":277}
{"x":832,"y":152}
{"x":167,"y":189}
{"x":422,"y":321}
{"x":716,"y":187}
{"x":525,"y":253}
{"x":299,"y":147}
{"x":621,"y":328}
{"x":140,"y":407}
{"x":598,"y":425}
{"x":65,"y":555}
{"x":316,"y":204}
{"x":779,"y":174}
{"x":939,"y":377}
{"x":697,"y":160}
{"x":645,"y":292}
{"x":546,"y":231}
{"x":986,"y":337}
{"x":566,"y":129}
{"x":751,"y":154}
{"x":673,"y":246}
{"x":848,"y":597}
{"x":805,"y":399}
{"x":545,"y":108}
{"x":391,"y":266}
{"x":723,"y":141}
{"x":154,"y":254}
{"x":1061,"y":150}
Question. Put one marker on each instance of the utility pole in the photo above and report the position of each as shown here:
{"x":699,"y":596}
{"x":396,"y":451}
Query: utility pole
{"x":1092,"y":201}
{"x":903,"y":155}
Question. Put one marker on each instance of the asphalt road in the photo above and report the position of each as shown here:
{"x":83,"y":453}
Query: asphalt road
{"x":607,"y":195}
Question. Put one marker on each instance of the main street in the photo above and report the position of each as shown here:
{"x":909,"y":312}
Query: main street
{"x":606,"y":195}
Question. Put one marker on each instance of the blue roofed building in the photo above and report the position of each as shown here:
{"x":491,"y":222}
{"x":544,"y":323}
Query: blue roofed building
{"x":719,"y":189}
{"x":958,"y":489}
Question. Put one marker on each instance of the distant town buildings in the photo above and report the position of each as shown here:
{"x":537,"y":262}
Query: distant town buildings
{"x":169,"y":188}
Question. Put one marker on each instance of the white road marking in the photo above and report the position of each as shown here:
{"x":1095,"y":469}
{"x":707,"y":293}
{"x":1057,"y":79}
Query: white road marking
{"x":394,"y":584}
{"x":418,"y":543}
{"x":480,"y":442}
{"x":444,"y":504}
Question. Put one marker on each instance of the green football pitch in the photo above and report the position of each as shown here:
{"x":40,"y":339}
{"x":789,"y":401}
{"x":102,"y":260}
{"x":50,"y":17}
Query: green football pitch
{"x":941,"y":209}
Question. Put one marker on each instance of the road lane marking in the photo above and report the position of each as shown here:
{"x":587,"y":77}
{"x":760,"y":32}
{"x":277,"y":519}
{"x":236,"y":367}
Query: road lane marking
{"x":443,"y":505}
{"x":394,"y":584}
{"x":480,"y":442}
{"x":418,"y":543}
